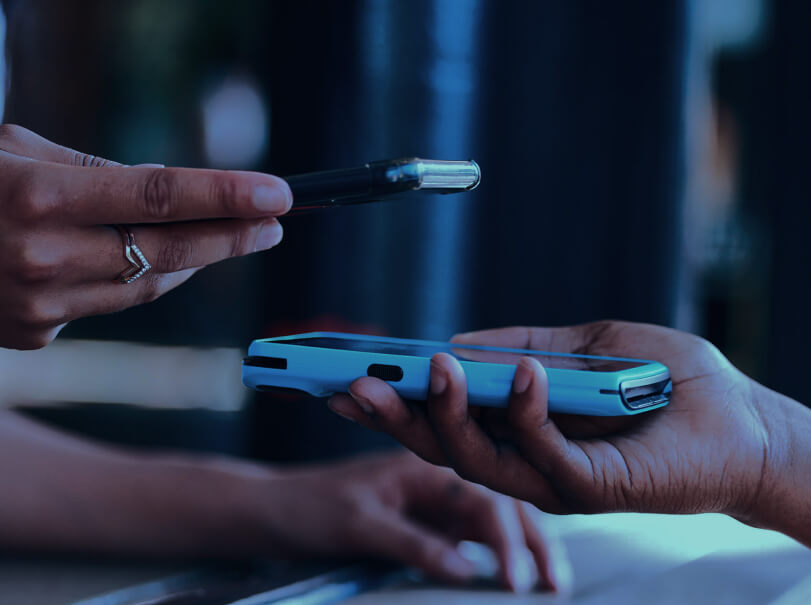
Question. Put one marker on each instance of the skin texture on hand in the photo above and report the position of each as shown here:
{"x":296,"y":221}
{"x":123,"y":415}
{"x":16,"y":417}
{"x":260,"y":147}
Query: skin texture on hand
{"x":63,"y":494}
{"x":714,"y":448}
{"x":60,"y":252}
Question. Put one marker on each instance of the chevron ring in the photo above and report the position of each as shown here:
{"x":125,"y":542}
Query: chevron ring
{"x":138,"y":263}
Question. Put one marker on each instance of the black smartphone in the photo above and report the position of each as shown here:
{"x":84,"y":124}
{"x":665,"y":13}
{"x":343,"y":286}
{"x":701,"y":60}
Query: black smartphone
{"x":380,"y":180}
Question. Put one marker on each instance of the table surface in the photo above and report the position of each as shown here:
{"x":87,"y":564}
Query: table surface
{"x":620,"y":558}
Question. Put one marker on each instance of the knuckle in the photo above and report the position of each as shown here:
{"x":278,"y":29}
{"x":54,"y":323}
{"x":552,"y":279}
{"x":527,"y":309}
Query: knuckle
{"x":354,"y":510}
{"x":160,"y":194}
{"x":702,"y":345}
{"x":39,"y":315}
{"x":28,"y":201}
{"x":11,"y":133}
{"x":36,"y":270}
{"x":225,"y":193}
{"x":709,"y":354}
{"x":32,"y":264}
{"x":243,"y":239}
{"x":176,"y":254}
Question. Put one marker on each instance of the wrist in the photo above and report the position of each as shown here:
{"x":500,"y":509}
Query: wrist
{"x":782,"y":498}
{"x":194,"y":506}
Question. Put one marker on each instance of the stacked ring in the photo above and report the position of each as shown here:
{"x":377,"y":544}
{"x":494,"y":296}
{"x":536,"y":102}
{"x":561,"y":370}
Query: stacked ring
{"x":138,"y":263}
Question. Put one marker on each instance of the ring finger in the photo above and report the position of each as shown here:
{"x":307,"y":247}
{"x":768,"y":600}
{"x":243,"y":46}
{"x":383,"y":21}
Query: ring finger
{"x":170,"y":247}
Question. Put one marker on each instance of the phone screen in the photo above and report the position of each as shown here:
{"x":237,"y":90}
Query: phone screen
{"x":557,"y":361}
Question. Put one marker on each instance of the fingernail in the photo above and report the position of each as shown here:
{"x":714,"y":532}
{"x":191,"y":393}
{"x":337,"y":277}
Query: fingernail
{"x":270,"y":235}
{"x":462,"y":336}
{"x":439,"y":379}
{"x":456,"y":565}
{"x":272,"y":199}
{"x":523,"y":378}
{"x":337,"y":406}
{"x":362,"y":402}
{"x":522,"y":574}
{"x":149,"y":166}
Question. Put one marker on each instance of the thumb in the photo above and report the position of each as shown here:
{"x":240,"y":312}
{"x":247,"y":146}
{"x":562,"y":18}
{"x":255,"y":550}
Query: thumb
{"x":22,"y":142}
{"x":394,"y":536}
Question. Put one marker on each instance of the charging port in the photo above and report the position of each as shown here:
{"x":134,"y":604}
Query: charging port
{"x":644,"y":393}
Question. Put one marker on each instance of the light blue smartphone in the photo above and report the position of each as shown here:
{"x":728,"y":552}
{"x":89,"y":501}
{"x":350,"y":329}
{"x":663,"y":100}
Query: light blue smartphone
{"x":323,"y":363}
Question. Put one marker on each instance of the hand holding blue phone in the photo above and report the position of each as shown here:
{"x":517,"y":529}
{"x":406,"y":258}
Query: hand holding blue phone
{"x":724,"y":443}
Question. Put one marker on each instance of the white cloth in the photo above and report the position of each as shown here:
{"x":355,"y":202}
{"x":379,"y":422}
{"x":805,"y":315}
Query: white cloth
{"x":655,"y":560}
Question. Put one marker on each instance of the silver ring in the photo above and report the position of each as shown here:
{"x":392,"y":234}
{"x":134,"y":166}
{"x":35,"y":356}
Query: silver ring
{"x":138,"y":263}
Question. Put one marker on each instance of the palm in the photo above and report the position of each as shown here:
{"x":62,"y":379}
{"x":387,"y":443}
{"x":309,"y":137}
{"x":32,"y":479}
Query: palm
{"x":669,"y":460}
{"x":647,"y":457}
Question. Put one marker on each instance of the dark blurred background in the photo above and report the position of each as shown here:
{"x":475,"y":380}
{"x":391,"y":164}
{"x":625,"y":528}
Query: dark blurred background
{"x":641,"y":161}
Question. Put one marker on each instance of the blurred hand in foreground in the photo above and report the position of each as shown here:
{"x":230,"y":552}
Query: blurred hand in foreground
{"x":68,"y":495}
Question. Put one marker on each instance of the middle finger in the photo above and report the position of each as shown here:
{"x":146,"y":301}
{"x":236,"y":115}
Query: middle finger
{"x":466,"y":444}
{"x":472,"y":452}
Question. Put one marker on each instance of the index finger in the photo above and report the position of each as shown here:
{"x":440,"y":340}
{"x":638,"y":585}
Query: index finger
{"x":134,"y":194}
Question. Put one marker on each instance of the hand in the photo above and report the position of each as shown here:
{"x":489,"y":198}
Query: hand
{"x":716,"y":447}
{"x":59,"y":251}
{"x":399,"y":507}
{"x":69,"y":495}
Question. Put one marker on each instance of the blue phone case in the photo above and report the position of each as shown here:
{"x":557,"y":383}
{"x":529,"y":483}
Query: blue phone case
{"x":275,"y":363}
